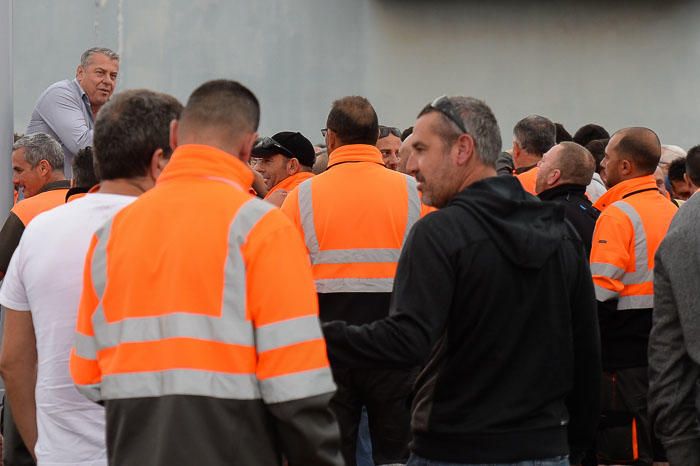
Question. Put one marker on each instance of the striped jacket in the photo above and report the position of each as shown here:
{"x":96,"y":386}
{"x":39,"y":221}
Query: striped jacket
{"x":634,"y":219}
{"x":198,"y":327}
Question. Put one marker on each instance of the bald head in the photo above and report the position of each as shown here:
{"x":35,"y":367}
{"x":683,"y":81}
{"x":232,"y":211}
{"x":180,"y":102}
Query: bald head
{"x":639,"y":145}
{"x":565,"y":163}
{"x":220,"y":113}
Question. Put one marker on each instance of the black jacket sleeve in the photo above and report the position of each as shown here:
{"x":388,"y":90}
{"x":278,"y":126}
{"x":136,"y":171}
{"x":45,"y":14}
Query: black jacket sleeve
{"x":308,"y":431}
{"x":10,"y":235}
{"x":420,"y":305}
{"x":584,"y":400}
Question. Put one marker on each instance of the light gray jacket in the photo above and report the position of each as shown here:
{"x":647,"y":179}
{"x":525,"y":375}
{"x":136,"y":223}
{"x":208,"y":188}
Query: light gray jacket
{"x":674,"y":343}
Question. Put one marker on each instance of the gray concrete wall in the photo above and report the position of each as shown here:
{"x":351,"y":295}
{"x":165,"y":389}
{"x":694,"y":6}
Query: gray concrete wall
{"x":622,"y":63}
{"x":6,"y":105}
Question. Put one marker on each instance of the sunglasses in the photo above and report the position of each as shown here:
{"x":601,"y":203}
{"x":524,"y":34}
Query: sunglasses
{"x":271,"y":144}
{"x":385,"y":131}
{"x":443,"y":105}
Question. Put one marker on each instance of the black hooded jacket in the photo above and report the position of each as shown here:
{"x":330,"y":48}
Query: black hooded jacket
{"x":495,"y":293}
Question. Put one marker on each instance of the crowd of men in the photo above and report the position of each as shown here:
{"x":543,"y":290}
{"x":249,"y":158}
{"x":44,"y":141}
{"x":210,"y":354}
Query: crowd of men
{"x":181,"y":291}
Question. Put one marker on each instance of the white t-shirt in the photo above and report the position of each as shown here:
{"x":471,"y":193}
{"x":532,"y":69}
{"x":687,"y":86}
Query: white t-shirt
{"x":45,"y":276}
{"x":596,"y":188}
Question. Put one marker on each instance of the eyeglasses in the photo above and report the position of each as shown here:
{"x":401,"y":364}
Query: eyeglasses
{"x":385,"y":131}
{"x":324,"y":131}
{"x":443,"y":105}
{"x":271,"y":144}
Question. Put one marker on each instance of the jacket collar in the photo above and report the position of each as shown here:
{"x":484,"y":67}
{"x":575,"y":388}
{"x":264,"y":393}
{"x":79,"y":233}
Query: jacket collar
{"x":201,"y":161}
{"x":355,"y":153}
{"x":290,"y":182}
{"x":624,"y":188}
{"x":54,"y":185}
{"x":563,"y":190}
{"x":518,"y":171}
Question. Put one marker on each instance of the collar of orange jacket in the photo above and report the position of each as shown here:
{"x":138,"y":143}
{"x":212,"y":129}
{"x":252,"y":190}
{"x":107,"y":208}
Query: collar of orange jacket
{"x":624,"y":188}
{"x":200,"y":161}
{"x":355,"y":153}
{"x":290,"y":182}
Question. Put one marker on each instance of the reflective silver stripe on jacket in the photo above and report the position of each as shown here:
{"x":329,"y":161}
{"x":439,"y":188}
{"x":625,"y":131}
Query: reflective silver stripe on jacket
{"x":230,"y":327}
{"x":287,"y":332}
{"x":354,"y":285}
{"x":636,"y":302}
{"x":642,"y":274}
{"x":180,"y":382}
{"x":298,"y":385}
{"x":353,"y":256}
{"x":414,"y":205}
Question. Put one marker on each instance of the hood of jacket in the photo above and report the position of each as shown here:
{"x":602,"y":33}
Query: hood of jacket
{"x":526,"y":230}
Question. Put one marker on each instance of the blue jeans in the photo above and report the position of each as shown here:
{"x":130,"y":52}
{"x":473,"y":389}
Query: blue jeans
{"x":364,"y":443}
{"x":557,"y":461}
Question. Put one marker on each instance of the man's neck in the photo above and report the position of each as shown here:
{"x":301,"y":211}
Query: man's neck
{"x":56,"y":176}
{"x":479,"y":173}
{"x":95,"y":109}
{"x":526,"y":160}
{"x":125,"y":186}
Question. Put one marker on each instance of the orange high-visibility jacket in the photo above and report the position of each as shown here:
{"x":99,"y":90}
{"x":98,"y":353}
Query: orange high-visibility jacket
{"x":200,"y":290}
{"x":355,"y":217}
{"x":52,"y":195}
{"x":290,"y":182}
{"x":528,"y":180}
{"x":635,"y":217}
{"x":30,"y":207}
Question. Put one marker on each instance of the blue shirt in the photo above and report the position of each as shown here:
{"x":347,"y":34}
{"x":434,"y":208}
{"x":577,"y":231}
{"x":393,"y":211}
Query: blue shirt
{"x":63,"y":111}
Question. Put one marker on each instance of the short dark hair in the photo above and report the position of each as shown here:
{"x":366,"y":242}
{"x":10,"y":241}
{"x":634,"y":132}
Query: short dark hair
{"x":406,"y":133}
{"x":354,"y":121}
{"x":562,"y":135}
{"x":676,"y":169}
{"x":692,"y":165}
{"x":576,"y":163}
{"x":597,"y":150}
{"x":129,"y":129}
{"x":84,"y":170}
{"x":535,"y":134}
{"x":642,"y":146}
{"x":225,"y":104}
{"x":590,"y":132}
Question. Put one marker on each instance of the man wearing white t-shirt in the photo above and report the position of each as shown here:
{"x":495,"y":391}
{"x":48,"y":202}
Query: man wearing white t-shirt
{"x":41,"y":290}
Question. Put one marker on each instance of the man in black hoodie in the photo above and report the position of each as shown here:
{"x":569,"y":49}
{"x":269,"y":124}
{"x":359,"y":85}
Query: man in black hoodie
{"x":564,"y":172}
{"x":493,"y":295}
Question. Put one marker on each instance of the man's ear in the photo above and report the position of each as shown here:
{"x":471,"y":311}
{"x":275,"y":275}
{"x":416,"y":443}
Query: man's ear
{"x":626,"y":167}
{"x":331,"y":141}
{"x":174,"y":125}
{"x":516,"y":150}
{"x":79,"y":72}
{"x":246,"y":149}
{"x":158,"y":163}
{"x":465,"y":149}
{"x":553,"y":177}
{"x":293,"y":166}
{"x":44,"y":167}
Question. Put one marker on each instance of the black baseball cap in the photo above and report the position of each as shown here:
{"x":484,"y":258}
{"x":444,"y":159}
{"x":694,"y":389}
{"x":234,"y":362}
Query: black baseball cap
{"x":289,"y":144}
